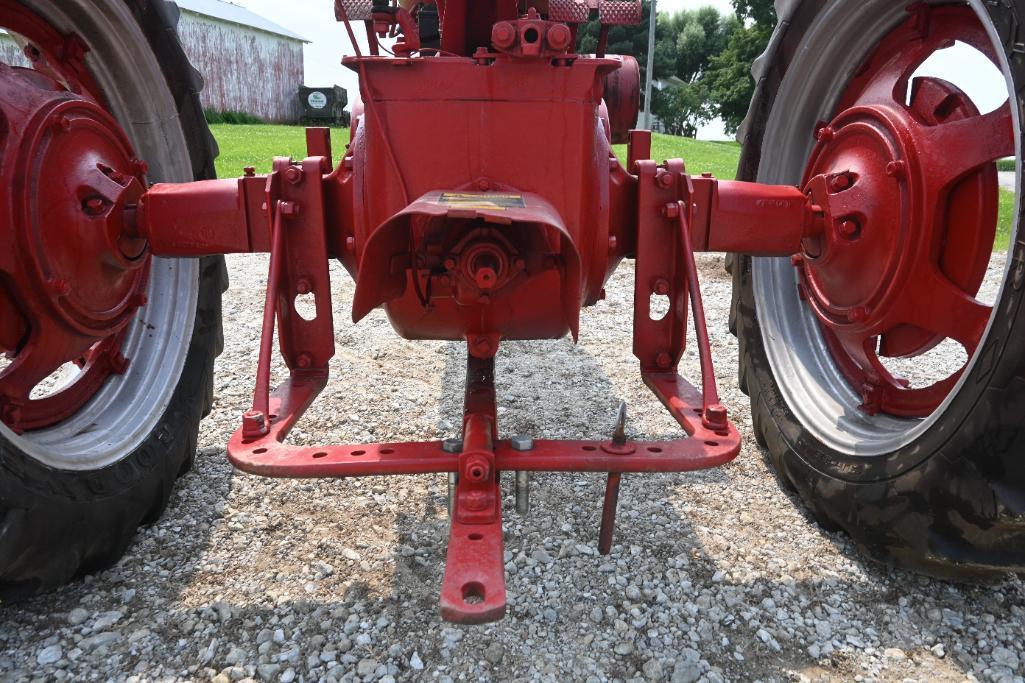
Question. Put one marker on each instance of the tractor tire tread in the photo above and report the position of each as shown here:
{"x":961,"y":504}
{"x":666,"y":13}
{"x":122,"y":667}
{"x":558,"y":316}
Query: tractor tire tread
{"x":87,"y":520}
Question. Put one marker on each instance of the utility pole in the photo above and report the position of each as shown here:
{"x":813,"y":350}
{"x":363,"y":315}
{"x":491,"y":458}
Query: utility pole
{"x":651,"y":66}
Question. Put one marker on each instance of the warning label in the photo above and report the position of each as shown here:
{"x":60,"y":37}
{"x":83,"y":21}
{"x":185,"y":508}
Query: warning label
{"x":482,"y":200}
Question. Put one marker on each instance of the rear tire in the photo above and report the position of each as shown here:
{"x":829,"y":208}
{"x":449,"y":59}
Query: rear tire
{"x":949,"y":498}
{"x":63,"y":514}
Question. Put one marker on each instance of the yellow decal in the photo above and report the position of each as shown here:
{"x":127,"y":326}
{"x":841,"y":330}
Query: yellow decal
{"x":482,"y":200}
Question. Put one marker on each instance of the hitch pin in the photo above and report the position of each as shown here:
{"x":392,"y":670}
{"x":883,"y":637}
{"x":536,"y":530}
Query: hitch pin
{"x":608,"y":513}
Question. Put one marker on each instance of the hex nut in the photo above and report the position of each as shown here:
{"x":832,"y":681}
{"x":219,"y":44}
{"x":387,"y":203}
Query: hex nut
{"x":522,"y":442}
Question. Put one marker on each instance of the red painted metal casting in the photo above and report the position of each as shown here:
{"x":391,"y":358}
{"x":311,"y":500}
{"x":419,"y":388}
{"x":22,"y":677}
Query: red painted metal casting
{"x":479,"y":200}
{"x":74,"y":273}
{"x":906,"y":179}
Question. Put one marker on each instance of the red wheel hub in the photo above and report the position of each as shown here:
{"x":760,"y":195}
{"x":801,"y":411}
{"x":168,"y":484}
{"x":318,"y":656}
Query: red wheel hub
{"x":74,"y":274}
{"x":905,"y":177}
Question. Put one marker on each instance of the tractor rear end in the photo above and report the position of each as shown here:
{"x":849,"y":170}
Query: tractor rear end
{"x":479,"y":201}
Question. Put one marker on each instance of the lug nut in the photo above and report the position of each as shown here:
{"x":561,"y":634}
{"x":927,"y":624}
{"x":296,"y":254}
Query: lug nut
{"x":63,"y":123}
{"x":840,"y":182}
{"x":848,"y":228}
{"x":94,"y":206}
{"x":858,"y":314}
{"x":59,"y":286}
{"x":896,"y":169}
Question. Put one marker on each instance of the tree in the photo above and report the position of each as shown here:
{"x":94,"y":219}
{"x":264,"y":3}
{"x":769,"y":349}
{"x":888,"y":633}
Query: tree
{"x":685,"y":44}
{"x":728,"y":79}
{"x":681,"y":108}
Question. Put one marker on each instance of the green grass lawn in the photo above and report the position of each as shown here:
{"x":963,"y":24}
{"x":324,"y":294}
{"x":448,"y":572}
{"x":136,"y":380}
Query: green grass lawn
{"x":718,"y":158}
{"x":257,"y":146}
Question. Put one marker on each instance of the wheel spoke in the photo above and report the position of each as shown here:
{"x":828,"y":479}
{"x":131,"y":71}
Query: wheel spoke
{"x":953,"y":150}
{"x":950,"y":312}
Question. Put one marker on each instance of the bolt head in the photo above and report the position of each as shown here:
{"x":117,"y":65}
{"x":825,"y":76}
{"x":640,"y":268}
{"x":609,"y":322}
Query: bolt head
{"x":522,"y":442}
{"x":664,"y":361}
{"x":249,"y":171}
{"x":661,"y":287}
{"x":559,"y":37}
{"x":716,"y":416}
{"x":671,"y":210}
{"x":289,"y":209}
{"x":303,"y":286}
{"x":503,"y":34}
{"x":664,"y":179}
{"x":825,"y":134}
{"x":294,"y":175}
{"x":304,"y":360}
{"x":254,"y":423}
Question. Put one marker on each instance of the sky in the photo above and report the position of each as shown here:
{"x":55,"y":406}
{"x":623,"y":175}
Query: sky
{"x":315,"y":20}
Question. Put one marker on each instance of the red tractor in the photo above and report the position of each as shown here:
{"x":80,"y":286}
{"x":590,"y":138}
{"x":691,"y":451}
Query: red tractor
{"x":859,"y":231}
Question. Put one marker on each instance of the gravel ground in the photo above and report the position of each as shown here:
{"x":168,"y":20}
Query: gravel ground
{"x":715,"y":576}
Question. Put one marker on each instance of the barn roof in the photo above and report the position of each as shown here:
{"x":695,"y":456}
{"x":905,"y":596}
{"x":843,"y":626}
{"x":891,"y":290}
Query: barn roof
{"x":226,"y":11}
